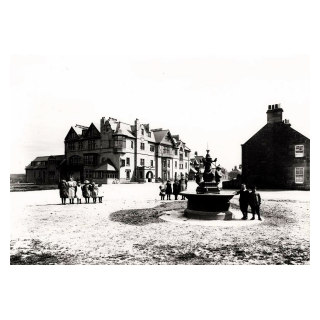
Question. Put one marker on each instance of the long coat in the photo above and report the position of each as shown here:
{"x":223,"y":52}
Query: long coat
{"x":63,"y":187}
{"x":169,"y":188}
{"x":86,"y":190}
{"x":183,"y":186}
{"x":176,"y":188}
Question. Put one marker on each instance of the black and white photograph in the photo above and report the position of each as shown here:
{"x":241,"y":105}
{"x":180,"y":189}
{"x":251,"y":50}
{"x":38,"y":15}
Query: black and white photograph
{"x":148,"y":154}
{"x":108,"y":173}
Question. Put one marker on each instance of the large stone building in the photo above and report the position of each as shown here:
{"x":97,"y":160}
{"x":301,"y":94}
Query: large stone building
{"x":44,"y":170}
{"x":277,"y":156}
{"x":117,"y":150}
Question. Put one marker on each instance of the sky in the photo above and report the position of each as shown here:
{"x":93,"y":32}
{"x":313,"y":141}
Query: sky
{"x":219,"y":100}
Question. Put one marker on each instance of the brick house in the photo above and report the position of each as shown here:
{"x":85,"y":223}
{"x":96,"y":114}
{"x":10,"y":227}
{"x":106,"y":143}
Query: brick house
{"x":44,"y":170}
{"x":277,"y":156}
{"x":117,"y":150}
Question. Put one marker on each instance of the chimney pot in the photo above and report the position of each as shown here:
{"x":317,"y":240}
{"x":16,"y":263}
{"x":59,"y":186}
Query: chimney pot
{"x":272,"y":106}
{"x":269,"y":106}
{"x":276,"y":106}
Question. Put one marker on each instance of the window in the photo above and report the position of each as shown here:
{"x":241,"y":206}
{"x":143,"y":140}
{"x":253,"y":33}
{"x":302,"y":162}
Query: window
{"x":71,"y":146}
{"x":39,"y":174}
{"x":142,"y":146}
{"x":142,"y":131}
{"x":181,"y":166}
{"x":176,"y":164}
{"x":131,"y":144}
{"x":299,"y":175}
{"x":141,"y":176}
{"x":299,"y":151}
{"x":151,"y":163}
{"x":128,"y":175}
{"x":149,"y":134}
{"x":168,"y":163}
{"x":91,"y":144}
{"x":34,"y":174}
{"x":128,"y":161}
{"x":186,"y":154}
{"x":186,"y":165}
{"x":166,"y":150}
{"x":119,"y":142}
{"x":90,"y":159}
{"x":142,"y":162}
{"x":181,"y":157}
{"x":175,"y":152}
{"x":164,"y":163}
{"x":76,"y":160}
{"x":152,"y":148}
{"x":123,"y":163}
{"x":80,"y":145}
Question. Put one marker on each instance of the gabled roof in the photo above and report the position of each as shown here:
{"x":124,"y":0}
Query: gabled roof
{"x":159,"y":137}
{"x":72,"y":129}
{"x":276,"y":129}
{"x":92,"y":126}
{"x":123,"y":129}
{"x":106,"y":165}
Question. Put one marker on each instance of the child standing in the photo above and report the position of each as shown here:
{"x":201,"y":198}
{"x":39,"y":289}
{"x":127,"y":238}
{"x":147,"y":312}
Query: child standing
{"x":176,"y":189}
{"x":86,"y":191}
{"x":79,"y":192}
{"x":94,"y":192}
{"x":101,"y":192}
{"x":168,"y":190}
{"x":255,"y":202}
{"x":162,"y":191}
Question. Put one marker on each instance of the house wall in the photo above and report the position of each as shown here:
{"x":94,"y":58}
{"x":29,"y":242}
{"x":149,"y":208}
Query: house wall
{"x":268,"y":158}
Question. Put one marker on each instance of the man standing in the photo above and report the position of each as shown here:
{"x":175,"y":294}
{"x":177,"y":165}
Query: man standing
{"x":255,"y":202}
{"x":244,"y":201}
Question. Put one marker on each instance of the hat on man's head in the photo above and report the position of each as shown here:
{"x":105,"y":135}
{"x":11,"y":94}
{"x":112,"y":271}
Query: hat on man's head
{"x":86,"y":182}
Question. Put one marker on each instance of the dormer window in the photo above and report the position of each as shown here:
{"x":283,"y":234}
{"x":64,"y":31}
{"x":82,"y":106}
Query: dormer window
{"x":299,"y":151}
{"x":142,"y":131}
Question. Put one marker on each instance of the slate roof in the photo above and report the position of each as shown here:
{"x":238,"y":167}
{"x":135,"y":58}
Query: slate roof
{"x":123,"y":129}
{"x":106,"y":165}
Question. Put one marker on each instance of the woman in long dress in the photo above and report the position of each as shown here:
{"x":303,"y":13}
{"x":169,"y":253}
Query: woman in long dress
{"x":71,"y":190}
{"x":63,"y":190}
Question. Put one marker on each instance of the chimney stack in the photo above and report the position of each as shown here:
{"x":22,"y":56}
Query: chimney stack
{"x":274,"y":114}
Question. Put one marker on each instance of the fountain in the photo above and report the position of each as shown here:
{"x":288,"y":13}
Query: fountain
{"x":208,"y":202}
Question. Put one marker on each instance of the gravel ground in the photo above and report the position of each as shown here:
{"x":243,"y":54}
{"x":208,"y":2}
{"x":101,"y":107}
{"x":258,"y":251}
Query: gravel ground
{"x":126,"y":229}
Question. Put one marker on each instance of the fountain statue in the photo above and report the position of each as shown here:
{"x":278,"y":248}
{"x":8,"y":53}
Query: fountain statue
{"x":208,"y":202}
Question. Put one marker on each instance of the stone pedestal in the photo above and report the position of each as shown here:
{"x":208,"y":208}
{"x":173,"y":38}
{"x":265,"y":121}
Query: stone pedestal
{"x":208,"y":206}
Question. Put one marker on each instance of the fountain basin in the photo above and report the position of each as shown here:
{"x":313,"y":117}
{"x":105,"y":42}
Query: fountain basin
{"x":208,"y":206}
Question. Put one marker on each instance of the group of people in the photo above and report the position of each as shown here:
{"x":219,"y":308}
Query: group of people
{"x":247,"y":198}
{"x":174,"y":188}
{"x":74,"y":190}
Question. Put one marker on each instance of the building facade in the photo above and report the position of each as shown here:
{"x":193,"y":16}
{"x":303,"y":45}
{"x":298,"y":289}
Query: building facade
{"x":44,"y":170}
{"x":129,"y":153}
{"x":277,"y":156}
